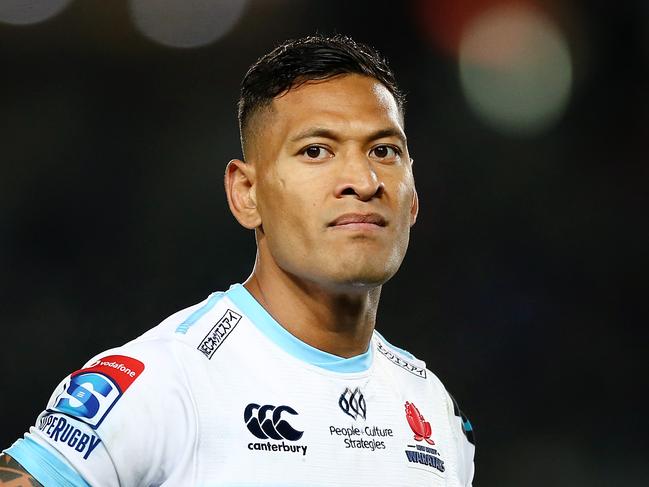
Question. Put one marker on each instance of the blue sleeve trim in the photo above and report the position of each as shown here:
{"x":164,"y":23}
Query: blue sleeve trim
{"x":198,"y":314}
{"x":44,"y":464}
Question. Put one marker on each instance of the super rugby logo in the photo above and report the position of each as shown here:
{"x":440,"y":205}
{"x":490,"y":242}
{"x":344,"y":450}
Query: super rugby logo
{"x":266,"y":422}
{"x":64,"y":431}
{"x":92,"y":392}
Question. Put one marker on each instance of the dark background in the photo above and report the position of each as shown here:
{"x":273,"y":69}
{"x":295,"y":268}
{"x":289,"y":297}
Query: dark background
{"x":524,"y":288}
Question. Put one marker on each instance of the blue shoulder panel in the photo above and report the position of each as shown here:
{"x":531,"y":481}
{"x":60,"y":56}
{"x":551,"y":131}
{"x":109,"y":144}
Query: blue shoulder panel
{"x":44,"y":464}
{"x":198,"y":314}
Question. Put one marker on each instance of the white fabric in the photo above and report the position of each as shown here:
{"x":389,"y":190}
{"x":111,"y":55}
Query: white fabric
{"x":181,"y":421}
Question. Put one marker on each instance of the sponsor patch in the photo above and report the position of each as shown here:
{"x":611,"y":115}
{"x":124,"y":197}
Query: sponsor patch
{"x":219,"y":333}
{"x":270,"y":422}
{"x":367,"y":437}
{"x":359,"y":435}
{"x":401,"y":362}
{"x":420,"y":455}
{"x":90,"y":393}
{"x":64,"y":431}
{"x":352,"y":403}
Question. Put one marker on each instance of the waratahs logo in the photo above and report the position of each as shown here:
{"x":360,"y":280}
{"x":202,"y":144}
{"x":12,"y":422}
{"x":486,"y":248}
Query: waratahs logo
{"x":418,"y":454}
{"x":419,"y":426}
{"x":266,"y":422}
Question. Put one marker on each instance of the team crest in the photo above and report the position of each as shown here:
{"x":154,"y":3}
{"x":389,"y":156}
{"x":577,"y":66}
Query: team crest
{"x":418,"y":424}
{"x":420,"y":455}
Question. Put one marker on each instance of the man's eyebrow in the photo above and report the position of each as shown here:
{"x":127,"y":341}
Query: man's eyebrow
{"x":388,"y":132}
{"x":329,"y":134}
{"x":314,"y":132}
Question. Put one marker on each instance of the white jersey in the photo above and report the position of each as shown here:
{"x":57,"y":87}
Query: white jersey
{"x":220,"y":394}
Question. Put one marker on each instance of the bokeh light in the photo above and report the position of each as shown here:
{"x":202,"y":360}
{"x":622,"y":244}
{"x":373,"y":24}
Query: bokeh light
{"x":515,"y":70}
{"x":186,"y":23}
{"x":25,"y":12}
{"x":443,"y":21}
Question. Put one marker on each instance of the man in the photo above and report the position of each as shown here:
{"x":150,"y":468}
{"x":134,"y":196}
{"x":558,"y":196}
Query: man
{"x":281,"y":381}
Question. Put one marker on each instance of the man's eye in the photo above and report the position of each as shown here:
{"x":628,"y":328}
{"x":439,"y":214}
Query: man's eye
{"x":316,"y":152}
{"x":385,"y":152}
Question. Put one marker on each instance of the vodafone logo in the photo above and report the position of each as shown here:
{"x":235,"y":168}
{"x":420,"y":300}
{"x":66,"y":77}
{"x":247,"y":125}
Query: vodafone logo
{"x":115,"y":365}
{"x":120,"y":369}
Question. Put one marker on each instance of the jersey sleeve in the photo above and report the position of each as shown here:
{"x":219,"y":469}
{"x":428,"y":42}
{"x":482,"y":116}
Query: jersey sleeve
{"x":124,"y":419}
{"x":464,"y":441}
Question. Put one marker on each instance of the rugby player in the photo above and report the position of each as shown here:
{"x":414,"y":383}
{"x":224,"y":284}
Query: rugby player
{"x":281,"y":380}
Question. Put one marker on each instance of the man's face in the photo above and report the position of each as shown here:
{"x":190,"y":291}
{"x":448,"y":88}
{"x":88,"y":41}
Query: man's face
{"x":334,"y":185}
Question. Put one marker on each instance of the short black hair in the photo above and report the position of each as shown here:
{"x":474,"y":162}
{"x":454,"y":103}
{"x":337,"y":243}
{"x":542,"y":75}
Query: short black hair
{"x":309,"y":58}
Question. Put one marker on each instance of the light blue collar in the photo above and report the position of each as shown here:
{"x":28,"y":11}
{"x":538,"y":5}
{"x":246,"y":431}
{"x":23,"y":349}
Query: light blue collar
{"x":266,"y":324}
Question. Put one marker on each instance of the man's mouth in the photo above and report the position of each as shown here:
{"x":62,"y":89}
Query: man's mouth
{"x":359,"y":221}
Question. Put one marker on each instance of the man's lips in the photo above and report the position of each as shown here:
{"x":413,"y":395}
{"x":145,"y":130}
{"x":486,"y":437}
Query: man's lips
{"x":361,"y":219}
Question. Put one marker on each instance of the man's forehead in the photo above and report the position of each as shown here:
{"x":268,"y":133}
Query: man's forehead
{"x":342,"y":104}
{"x":341,"y":100}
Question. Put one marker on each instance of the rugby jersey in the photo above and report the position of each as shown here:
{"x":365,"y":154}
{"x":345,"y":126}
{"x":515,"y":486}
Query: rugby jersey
{"x":220,"y":394}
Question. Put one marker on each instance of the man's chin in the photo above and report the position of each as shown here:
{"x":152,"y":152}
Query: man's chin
{"x":362,"y":281}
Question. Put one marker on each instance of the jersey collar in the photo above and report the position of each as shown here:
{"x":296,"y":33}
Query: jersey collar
{"x":275,"y":332}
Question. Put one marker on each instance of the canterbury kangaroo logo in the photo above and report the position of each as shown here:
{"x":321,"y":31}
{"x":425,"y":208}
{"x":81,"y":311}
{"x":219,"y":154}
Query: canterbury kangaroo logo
{"x":264,"y":425}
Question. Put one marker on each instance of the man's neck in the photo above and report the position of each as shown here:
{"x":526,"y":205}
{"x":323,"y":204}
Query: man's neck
{"x":336,"y":321}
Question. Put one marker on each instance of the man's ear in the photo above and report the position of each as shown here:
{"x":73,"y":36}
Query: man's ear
{"x":414,"y":207}
{"x":240,"y":188}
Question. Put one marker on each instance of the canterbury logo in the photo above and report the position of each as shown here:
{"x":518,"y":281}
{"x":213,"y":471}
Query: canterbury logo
{"x":353,"y":403}
{"x":264,"y":425}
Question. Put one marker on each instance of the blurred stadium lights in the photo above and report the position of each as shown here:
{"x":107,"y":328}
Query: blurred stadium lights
{"x":186,"y":23}
{"x":25,"y":12}
{"x":515,"y":69}
{"x":443,"y":21}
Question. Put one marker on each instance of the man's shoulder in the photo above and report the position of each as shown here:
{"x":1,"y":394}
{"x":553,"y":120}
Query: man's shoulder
{"x":193,"y":325}
{"x":176,"y":325}
{"x":404,"y":360}
{"x":166,"y":349}
{"x":412,"y":367}
{"x":412,"y":372}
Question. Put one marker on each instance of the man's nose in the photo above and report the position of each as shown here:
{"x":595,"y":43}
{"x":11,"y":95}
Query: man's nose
{"x":358,"y":178}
